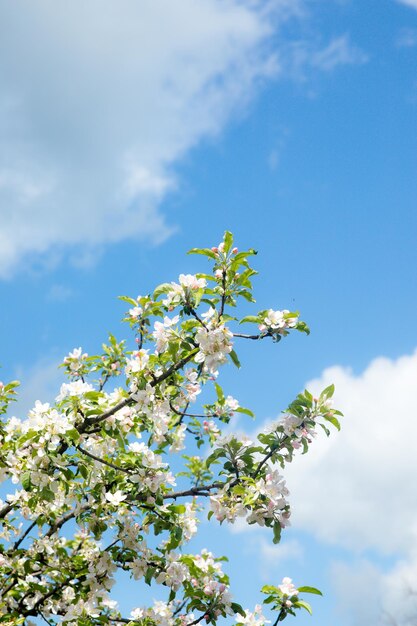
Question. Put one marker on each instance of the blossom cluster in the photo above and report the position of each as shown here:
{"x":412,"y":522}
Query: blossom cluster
{"x":96,"y":481}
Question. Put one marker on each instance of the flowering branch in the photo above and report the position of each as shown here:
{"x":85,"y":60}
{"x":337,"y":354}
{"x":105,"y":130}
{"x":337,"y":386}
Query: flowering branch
{"x":95,"y":468}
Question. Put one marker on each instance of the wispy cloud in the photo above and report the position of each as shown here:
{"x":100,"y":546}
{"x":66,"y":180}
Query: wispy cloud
{"x":303,"y":56}
{"x":407,"y":38}
{"x":59,"y":293}
{"x":339,"y":51}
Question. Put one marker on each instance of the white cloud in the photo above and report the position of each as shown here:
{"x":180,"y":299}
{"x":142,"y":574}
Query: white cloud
{"x":409,"y":3}
{"x":99,"y":100}
{"x":386,"y":598}
{"x":356,"y":488}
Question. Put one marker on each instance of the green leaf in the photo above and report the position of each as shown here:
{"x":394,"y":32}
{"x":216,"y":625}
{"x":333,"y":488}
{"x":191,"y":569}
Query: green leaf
{"x":327,"y":393}
{"x":333,"y":420}
{"x":73,"y":435}
{"x":219,"y":392}
{"x":234,"y":358}
{"x":303,"y":328}
{"x":26,"y":483}
{"x":303,"y":605}
{"x":277,"y":533}
{"x":238,"y":609}
{"x":228,"y":241}
{"x":128,"y":300}
{"x":47,"y":495}
{"x":241,"y":409}
{"x":254,"y":319}
{"x":307,"y":589}
{"x":83,"y":470}
{"x":247,"y":295}
{"x":163,"y":288}
{"x":149,"y":575}
{"x":205,"y":251}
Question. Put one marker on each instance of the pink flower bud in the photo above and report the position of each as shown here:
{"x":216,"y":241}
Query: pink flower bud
{"x":215,"y":250}
{"x":235,"y":250}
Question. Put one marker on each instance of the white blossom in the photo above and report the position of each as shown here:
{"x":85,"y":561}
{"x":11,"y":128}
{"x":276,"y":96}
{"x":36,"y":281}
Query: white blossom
{"x":115,"y":498}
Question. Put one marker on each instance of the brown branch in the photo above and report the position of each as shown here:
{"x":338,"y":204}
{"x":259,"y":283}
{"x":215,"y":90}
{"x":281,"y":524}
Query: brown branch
{"x":25,"y":534}
{"x":96,"y":458}
{"x":255,"y":337}
{"x":6,"y":509}
{"x":204,"y":490}
{"x":65,"y":518}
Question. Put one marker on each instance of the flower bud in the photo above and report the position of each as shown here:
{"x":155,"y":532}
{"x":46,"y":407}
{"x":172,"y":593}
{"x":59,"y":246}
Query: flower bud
{"x":235,"y":250}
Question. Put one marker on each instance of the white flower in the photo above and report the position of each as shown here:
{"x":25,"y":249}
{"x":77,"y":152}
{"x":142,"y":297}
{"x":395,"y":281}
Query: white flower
{"x":76,"y":388}
{"x":287,"y":587}
{"x":189,"y":281}
{"x":231,"y":403}
{"x":178,"y":437}
{"x":278,"y":320}
{"x":115,"y":498}
{"x":136,"y":311}
{"x":192,"y":387}
{"x":137,"y":447}
{"x":214,"y":345}
{"x":163,"y":332}
{"x":253,"y":619}
{"x":138,"y":362}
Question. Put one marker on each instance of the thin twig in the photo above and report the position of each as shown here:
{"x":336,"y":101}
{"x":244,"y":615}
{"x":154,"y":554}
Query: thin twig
{"x":108,"y":463}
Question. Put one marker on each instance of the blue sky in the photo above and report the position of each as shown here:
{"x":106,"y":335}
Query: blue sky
{"x":129,"y":136}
